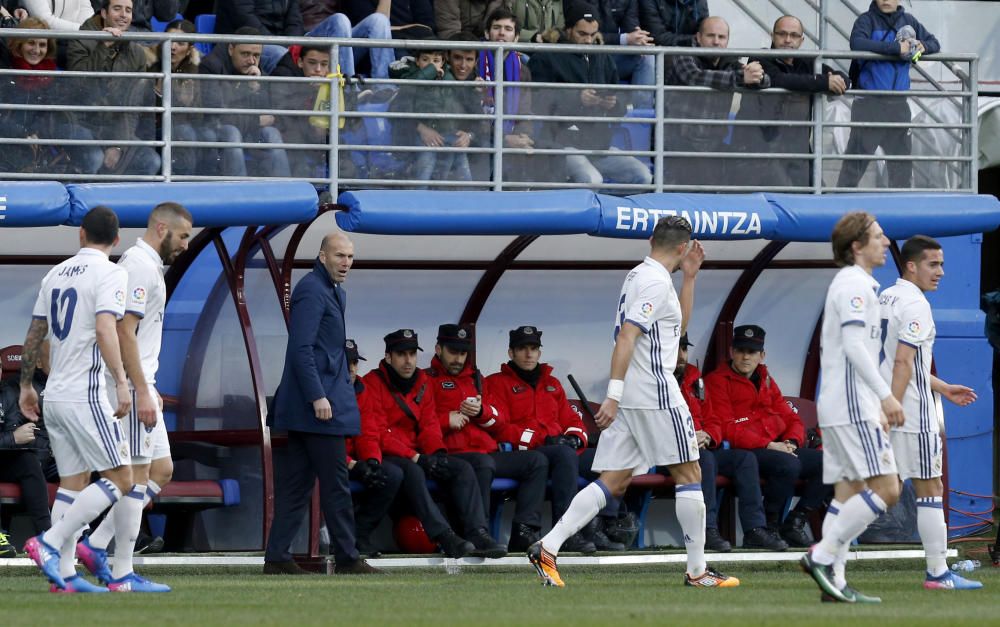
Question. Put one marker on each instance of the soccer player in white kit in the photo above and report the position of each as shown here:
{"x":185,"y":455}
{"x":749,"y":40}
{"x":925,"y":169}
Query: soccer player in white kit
{"x":855,"y":406}
{"x":140,"y":332}
{"x":908,"y":344}
{"x":78,"y":305}
{"x":644,"y":418}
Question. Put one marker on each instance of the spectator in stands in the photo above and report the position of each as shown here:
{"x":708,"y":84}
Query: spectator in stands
{"x":24,"y":448}
{"x":738,"y":465}
{"x":364,"y":462}
{"x":69,"y":15}
{"x":458,"y":16}
{"x":881,"y":30}
{"x":464,"y":65}
{"x":143,"y":12}
{"x":239,"y":59}
{"x":672,"y":22}
{"x":428,"y":65}
{"x":793,"y":74}
{"x":271,"y":17}
{"x":619,"y":21}
{"x":112,"y":55}
{"x":33,"y":123}
{"x":414,"y":443}
{"x":374,"y":25}
{"x":725,"y":74}
{"x":409,"y":19}
{"x":756,"y":417}
{"x":540,"y":418}
{"x":306,"y":61}
{"x":502,"y":26}
{"x":471,"y":421}
{"x":536,"y":18}
{"x":11,"y":14}
{"x":594,"y":69}
{"x":316,"y":405}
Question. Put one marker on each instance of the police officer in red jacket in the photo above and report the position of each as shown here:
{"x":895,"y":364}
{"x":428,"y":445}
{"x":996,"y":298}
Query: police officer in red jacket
{"x":738,"y":465}
{"x":364,"y":463}
{"x":540,"y":418}
{"x":756,"y":417}
{"x":412,"y":441}
{"x":470,"y":422}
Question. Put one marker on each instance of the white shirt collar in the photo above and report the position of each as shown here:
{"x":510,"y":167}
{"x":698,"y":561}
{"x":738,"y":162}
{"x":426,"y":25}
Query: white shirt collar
{"x":92,"y":251}
{"x":146,"y":248}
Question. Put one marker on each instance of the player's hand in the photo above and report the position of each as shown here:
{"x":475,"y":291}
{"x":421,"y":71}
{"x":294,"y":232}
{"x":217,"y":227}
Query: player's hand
{"x":959,"y":394}
{"x":322,"y":408}
{"x":25,"y":434}
{"x":457,"y":420}
{"x":29,"y":403}
{"x":693,"y":258}
{"x":145,"y":406}
{"x":703,"y":439}
{"x":124,"y":400}
{"x":470,"y":408}
{"x":606,"y":414}
{"x":893,"y":411}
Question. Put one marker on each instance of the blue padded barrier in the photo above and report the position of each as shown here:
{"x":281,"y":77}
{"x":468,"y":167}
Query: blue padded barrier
{"x":35,"y":203}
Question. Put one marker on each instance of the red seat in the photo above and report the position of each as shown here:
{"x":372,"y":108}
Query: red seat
{"x":806,"y":410}
{"x":10,"y":360}
{"x":588,"y":423}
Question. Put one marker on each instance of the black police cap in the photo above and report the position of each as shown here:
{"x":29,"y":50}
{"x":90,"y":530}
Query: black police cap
{"x":522,"y":336}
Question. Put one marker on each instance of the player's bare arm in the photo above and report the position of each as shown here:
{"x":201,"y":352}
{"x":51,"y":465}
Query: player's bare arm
{"x":902,"y":369}
{"x":620,"y":359}
{"x":959,"y":394}
{"x":690,"y":265}
{"x":129,"y":342}
{"x":30,"y":355}
{"x":107,"y":343}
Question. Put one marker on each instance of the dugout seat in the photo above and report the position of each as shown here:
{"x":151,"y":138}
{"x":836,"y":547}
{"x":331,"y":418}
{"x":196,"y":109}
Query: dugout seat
{"x":10,"y":360}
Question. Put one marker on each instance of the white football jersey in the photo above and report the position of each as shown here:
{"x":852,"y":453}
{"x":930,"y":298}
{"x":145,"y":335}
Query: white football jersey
{"x":907,"y":319}
{"x":649,"y":301}
{"x":146,"y":298}
{"x":71,"y":296}
{"x":844,"y":397}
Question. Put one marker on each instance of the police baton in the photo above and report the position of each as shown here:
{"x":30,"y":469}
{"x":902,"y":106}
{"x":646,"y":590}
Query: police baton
{"x":583,"y":397}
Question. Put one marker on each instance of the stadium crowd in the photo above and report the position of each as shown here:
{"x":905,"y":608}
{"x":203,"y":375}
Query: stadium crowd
{"x":438,"y":148}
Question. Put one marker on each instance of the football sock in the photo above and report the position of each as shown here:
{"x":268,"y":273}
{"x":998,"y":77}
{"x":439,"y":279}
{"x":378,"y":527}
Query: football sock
{"x":933,"y":533}
{"x":691,"y":516}
{"x":840,"y":561}
{"x":857,"y":513}
{"x":67,"y":554}
{"x":88,"y":504}
{"x":67,"y":559}
{"x":101,"y":538}
{"x":127,"y":513}
{"x":581,"y":511}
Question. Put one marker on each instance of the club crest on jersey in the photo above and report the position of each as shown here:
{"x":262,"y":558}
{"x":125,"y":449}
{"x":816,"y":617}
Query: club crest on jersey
{"x":120,"y":297}
{"x":646,"y":308}
{"x":913,"y":327}
{"x":857,"y":303}
{"x":447,"y":385}
{"x":139,"y":295}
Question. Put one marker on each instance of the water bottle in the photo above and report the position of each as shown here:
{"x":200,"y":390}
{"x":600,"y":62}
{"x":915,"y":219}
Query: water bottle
{"x":965,"y":565}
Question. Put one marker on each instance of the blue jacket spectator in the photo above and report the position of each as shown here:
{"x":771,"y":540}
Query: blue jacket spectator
{"x":875,"y":31}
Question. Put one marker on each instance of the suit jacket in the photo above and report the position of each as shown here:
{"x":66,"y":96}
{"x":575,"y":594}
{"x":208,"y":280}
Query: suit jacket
{"x":315,"y":361}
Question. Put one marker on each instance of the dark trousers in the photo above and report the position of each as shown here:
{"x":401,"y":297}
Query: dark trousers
{"x":564,"y":468}
{"x":529,"y":468}
{"x":740,"y":467}
{"x":310,"y":456}
{"x":864,"y":140}
{"x":781,"y":471}
{"x":23,"y":467}
{"x":371,"y":506}
{"x":462,"y":490}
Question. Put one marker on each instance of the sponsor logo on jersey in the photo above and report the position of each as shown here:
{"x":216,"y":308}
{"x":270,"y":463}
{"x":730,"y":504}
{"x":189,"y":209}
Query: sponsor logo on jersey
{"x":120,"y":297}
{"x":646,"y":308}
{"x":857,"y":303}
{"x":139,"y":295}
{"x":913,"y":327}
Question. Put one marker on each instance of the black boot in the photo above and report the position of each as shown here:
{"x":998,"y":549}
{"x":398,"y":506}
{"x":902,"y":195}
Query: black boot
{"x":365,"y":546}
{"x":521,"y":537}
{"x":485,"y":545}
{"x":715,"y":542}
{"x":763,"y":538}
{"x":794,"y":529}
{"x":623,"y":529}
{"x":594,"y":531}
{"x":454,"y":546}
{"x":578,"y":544}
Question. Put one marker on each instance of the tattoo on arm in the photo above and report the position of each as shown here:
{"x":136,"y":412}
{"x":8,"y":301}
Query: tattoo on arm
{"x":32,"y":347}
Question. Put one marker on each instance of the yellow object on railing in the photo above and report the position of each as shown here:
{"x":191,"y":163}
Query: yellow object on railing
{"x":323,"y":102}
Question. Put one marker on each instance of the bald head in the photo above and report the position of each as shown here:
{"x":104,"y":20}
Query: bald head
{"x":787,"y":33}
{"x":336,"y":253}
{"x":713,"y":32}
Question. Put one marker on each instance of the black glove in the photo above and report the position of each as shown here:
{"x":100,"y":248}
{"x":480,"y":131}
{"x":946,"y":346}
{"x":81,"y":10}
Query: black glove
{"x":369,"y":473}
{"x":428,"y":463}
{"x":572,"y":441}
{"x":441,"y":469}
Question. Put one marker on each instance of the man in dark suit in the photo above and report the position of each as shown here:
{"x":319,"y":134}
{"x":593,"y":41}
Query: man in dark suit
{"x":315,"y":403}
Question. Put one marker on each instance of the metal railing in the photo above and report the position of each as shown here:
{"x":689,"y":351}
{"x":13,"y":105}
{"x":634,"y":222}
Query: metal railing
{"x":675,"y":137}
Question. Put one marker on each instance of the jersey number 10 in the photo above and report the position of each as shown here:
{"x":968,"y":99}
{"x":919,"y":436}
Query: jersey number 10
{"x":63,"y":305}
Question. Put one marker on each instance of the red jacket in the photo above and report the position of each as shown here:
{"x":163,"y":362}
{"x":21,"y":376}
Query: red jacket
{"x":449,"y":392}
{"x":705,"y":418}
{"x":367,"y":444}
{"x":752,"y":418}
{"x":533,"y":413}
{"x":403,"y":435}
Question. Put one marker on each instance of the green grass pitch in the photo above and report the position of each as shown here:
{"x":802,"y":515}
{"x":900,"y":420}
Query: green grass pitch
{"x":771,"y":593}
